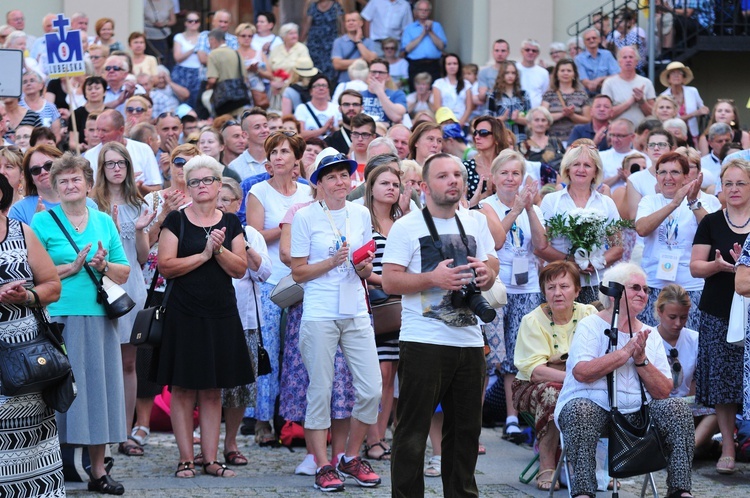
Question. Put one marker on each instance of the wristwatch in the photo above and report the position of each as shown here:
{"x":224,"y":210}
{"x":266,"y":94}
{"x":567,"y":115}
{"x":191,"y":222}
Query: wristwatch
{"x":644,"y":364}
{"x":106,"y":268}
{"x":221,"y":250}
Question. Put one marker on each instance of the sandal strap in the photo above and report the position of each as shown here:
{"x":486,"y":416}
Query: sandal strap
{"x":222,"y":468}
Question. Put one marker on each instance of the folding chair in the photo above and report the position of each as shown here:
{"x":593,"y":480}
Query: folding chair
{"x":647,"y":478}
{"x":532,"y":469}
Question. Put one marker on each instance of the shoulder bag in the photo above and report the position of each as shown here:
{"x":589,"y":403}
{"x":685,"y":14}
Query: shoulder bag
{"x":61,"y":395}
{"x":149,"y":322}
{"x":264,"y":360}
{"x":230,"y":94}
{"x":112,"y":296}
{"x":386,"y":311}
{"x":737,"y":320}
{"x":287,"y":292}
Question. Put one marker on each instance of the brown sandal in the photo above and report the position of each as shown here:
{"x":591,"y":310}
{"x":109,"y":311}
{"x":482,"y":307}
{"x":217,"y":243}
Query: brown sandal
{"x":546,"y":484}
{"x":235,"y":458}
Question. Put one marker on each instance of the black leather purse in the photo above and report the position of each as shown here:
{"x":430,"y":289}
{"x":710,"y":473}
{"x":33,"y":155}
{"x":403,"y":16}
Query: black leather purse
{"x":264,"y":360}
{"x":634,"y":449}
{"x":230,"y":94}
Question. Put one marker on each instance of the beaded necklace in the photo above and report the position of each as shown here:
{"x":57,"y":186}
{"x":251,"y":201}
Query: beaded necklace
{"x":552,"y":324}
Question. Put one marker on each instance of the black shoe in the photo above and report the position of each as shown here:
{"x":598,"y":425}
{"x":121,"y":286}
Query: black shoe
{"x":106,"y":485}
{"x":248,"y":426}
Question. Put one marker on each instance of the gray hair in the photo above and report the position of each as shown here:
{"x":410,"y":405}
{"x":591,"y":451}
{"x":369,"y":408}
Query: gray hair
{"x":589,"y":30}
{"x":676,"y":123}
{"x":217,"y":35}
{"x":575,"y":40}
{"x":532,"y":42}
{"x":161,"y":69}
{"x":631,"y":47}
{"x":544,"y":112}
{"x":12,"y":37}
{"x":285,"y":29}
{"x":557,"y":47}
{"x":620,"y":273}
{"x":382,"y":141}
{"x":203,"y":161}
{"x":719,"y":129}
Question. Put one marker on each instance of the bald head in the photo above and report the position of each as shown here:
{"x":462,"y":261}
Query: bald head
{"x":15,"y":18}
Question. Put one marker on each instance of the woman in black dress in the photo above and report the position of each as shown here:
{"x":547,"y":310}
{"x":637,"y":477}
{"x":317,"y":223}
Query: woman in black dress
{"x":203,"y":348}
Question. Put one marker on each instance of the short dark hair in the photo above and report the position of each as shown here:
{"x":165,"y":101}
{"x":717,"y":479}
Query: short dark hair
{"x":660,"y":131}
{"x":379,"y":60}
{"x":94,"y":80}
{"x":217,"y":35}
{"x":363,"y":119}
{"x":40,"y":133}
{"x":254,"y":111}
{"x":353,"y":93}
{"x":135,"y":35}
{"x":269,"y":17}
{"x":558,"y":269}
{"x":188,"y":118}
{"x":648,"y":124}
{"x":674,"y":157}
{"x":601,"y":96}
{"x":317,"y":77}
{"x":316,"y":141}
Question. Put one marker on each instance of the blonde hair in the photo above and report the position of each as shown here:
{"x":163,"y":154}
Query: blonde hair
{"x":671,"y":294}
{"x":573,"y":154}
{"x":505,"y":157}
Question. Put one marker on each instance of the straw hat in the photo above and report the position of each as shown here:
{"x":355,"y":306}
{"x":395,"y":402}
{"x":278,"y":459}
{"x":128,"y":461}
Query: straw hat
{"x":675,"y":66}
{"x":305,"y":67}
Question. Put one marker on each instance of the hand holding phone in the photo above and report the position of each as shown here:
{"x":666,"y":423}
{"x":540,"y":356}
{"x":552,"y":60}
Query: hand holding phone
{"x":362,"y":253}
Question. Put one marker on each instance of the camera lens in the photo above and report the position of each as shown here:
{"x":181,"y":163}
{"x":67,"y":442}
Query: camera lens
{"x":481,"y":308}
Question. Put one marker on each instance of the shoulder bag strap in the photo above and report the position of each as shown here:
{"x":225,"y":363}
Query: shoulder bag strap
{"x":562,"y":100}
{"x":75,"y":248}
{"x":309,"y":109}
{"x":257,"y":315}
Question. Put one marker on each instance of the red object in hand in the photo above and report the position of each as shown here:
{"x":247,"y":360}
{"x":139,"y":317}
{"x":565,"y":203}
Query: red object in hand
{"x":361,"y":254}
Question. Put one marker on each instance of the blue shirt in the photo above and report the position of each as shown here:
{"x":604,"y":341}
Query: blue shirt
{"x":372,"y":107}
{"x":586,"y":131}
{"x":743,"y":154}
{"x":703,"y":11}
{"x":426,"y":49}
{"x":591,"y":68}
{"x":345,"y":48}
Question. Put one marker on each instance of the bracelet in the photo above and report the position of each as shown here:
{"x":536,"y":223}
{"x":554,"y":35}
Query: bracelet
{"x":36,"y":297}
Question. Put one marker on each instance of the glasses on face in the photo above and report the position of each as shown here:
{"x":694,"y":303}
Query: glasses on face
{"x":673,"y":173}
{"x":482,"y":133}
{"x":389,"y":48}
{"x":349,"y":105}
{"x":122,"y":163}
{"x":378,"y":73}
{"x":37,"y":170}
{"x":363,"y":136}
{"x":638,"y":288}
{"x":179,"y":161}
{"x":192,"y":21}
{"x":531,"y":50}
{"x":135,"y":110}
{"x":728,"y":185}
{"x":206,"y":180}
{"x":320,"y":85}
{"x":113,"y":68}
{"x":657,"y":145}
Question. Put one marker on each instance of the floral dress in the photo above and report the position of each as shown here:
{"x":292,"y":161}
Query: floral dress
{"x":323,"y":31}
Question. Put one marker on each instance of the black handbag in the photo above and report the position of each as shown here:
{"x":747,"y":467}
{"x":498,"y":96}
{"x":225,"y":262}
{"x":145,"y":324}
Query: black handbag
{"x":230,"y":94}
{"x":634,"y":449}
{"x":113,"y":297}
{"x":264,"y":360}
{"x":149,"y":322}
{"x":32,"y":366}
{"x":59,"y":397}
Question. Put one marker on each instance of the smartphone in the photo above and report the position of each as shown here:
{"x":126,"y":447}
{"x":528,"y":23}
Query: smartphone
{"x":361,"y":253}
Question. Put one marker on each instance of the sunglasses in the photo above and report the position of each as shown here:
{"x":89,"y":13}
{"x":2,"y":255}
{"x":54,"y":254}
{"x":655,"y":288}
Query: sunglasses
{"x":37,"y":170}
{"x":166,"y":114}
{"x":531,"y":50}
{"x":639,"y":288}
{"x":285,"y":132}
{"x":229,"y":123}
{"x":207,"y":180}
{"x":676,"y":367}
{"x":179,"y":161}
{"x":113,"y":68}
{"x":135,"y":110}
{"x":482,"y":133}
{"x":192,"y":21}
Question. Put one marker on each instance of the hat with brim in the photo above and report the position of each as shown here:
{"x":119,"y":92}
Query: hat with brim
{"x":305,"y":67}
{"x":328,"y":158}
{"x":445,"y":114}
{"x":675,"y":66}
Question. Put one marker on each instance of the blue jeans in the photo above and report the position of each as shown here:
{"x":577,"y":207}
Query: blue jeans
{"x":430,"y":374}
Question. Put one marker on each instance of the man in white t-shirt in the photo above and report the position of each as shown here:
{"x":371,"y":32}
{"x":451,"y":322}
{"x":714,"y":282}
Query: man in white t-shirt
{"x":621,"y":133}
{"x":441,"y":348}
{"x":718,"y":135}
{"x":110,"y":127}
{"x":632,"y":94}
{"x":534,"y":78}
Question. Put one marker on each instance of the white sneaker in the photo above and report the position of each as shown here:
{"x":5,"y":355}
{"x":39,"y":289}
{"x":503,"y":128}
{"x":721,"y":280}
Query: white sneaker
{"x":307,"y":467}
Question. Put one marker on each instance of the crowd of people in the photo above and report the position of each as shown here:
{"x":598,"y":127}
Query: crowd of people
{"x":363,"y":158}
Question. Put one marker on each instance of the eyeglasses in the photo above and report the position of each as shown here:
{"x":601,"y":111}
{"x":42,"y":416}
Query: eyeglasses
{"x":347,"y":105}
{"x":113,"y":68}
{"x":122,"y":163}
{"x":207,"y":180}
{"x":321,"y":85}
{"x":638,"y":288}
{"x":673,"y":173}
{"x":37,"y":170}
{"x":728,"y":185}
{"x":363,"y":136}
{"x":135,"y":110}
{"x":192,"y":21}
{"x":657,"y":145}
{"x":531,"y":50}
{"x":378,"y":73}
{"x":482,"y":133}
{"x":179,"y":161}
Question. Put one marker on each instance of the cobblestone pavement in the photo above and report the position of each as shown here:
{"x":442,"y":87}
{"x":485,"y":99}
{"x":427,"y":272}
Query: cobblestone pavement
{"x":270,"y":475}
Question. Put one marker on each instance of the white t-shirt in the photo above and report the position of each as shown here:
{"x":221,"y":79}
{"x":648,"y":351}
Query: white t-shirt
{"x":427,"y":317}
{"x":711,"y":164}
{"x":612,"y":163}
{"x":192,"y":62}
{"x":643,"y":182}
{"x":560,"y":202}
{"x":259,"y":41}
{"x":518,"y":245}
{"x":275,"y":206}
{"x":449,"y":98}
{"x":687,"y":347}
{"x":328,"y":296}
{"x":143,"y":158}
{"x":674,"y":235}
{"x":246,"y":288}
{"x":302,"y":113}
{"x":589,"y":343}
{"x":535,"y":80}
{"x":620,"y":90}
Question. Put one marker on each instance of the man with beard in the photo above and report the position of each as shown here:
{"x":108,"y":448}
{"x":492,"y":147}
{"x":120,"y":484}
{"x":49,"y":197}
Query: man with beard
{"x":350,"y":104}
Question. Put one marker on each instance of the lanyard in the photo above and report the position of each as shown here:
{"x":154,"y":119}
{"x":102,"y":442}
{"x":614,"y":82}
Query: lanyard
{"x":345,"y":135}
{"x":516,"y":235}
{"x":672,"y":227}
{"x":336,"y":232}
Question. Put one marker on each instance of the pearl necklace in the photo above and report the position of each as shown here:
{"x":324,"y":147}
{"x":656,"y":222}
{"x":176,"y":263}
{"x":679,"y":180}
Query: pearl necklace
{"x":726,"y":215}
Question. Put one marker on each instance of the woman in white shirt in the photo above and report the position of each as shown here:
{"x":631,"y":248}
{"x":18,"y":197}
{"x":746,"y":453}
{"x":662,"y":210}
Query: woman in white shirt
{"x":186,"y":71}
{"x":581,"y":170}
{"x":667,"y":222}
{"x":454,"y":92}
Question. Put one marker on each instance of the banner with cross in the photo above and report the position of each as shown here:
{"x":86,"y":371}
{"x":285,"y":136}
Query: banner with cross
{"x":64,"y":50}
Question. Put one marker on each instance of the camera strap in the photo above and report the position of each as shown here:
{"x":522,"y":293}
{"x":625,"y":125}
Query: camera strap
{"x":436,"y":238}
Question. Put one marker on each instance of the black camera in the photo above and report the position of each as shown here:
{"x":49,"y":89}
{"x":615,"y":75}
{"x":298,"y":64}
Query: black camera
{"x":470,"y":296}
{"x":635,"y":168}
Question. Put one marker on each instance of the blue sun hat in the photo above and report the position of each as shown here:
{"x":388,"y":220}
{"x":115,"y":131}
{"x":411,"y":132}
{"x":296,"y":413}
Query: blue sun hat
{"x":331,"y":157}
